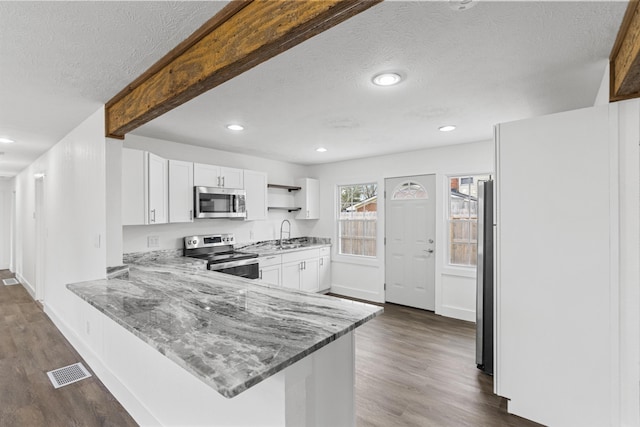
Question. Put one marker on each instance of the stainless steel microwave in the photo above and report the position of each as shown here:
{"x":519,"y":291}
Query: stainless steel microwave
{"x":211,"y":202}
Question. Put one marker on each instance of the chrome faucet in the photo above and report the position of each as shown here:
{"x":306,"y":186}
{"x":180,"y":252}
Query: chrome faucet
{"x":288,"y":231}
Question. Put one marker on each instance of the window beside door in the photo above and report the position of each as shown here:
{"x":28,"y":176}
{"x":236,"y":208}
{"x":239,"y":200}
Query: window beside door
{"x":357,"y":219}
{"x":463,"y":219}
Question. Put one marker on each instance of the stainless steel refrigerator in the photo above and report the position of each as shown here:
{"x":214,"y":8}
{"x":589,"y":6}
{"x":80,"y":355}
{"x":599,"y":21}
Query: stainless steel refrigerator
{"x":484,"y":295}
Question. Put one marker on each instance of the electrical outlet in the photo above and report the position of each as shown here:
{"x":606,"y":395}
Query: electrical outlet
{"x":153,"y":241}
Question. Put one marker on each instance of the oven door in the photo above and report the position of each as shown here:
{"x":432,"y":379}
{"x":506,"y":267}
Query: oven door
{"x":248,"y":268}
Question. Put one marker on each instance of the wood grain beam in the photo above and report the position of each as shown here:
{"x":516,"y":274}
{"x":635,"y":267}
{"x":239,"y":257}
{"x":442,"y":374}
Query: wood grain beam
{"x":242,"y":35}
{"x":624,"y":68}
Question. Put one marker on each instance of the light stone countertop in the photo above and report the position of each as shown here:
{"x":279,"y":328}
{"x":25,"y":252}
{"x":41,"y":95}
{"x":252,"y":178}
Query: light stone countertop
{"x":228,"y":331}
{"x":271,"y":247}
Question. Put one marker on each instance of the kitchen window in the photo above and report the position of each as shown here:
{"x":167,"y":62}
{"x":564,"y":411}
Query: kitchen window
{"x":357,"y":219}
{"x":463,"y":219}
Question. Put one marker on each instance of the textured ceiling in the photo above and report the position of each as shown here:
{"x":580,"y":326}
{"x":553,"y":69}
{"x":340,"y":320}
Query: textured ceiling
{"x":495,"y":62}
{"x":59,"y":61}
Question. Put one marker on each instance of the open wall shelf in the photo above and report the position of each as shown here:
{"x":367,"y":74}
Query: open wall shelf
{"x":289,"y":188}
{"x":283,"y":208}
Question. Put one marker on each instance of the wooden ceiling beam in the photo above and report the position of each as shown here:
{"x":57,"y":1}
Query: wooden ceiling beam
{"x":242,"y":35}
{"x":624,"y":62}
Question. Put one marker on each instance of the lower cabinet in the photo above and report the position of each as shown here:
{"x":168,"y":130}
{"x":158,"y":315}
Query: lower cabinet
{"x":324,"y":269}
{"x":305,"y":270}
{"x":271,"y":269}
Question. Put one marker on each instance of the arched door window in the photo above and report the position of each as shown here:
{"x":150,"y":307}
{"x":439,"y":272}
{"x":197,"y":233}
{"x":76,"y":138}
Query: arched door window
{"x":409,"y":190}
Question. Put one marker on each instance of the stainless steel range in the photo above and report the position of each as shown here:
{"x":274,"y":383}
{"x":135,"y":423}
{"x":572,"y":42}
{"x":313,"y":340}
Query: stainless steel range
{"x":218,"y":250}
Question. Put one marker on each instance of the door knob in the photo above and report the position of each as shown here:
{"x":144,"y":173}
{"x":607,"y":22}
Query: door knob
{"x":429,"y":250}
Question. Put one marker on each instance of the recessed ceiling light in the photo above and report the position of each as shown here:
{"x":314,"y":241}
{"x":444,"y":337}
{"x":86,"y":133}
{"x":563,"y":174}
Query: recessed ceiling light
{"x":387,"y":79}
{"x":6,"y":141}
{"x":447,"y":128}
{"x":235,"y":127}
{"x":461,"y":4}
{"x":321,"y":149}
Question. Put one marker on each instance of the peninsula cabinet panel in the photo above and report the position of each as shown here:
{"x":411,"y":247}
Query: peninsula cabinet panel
{"x":180,"y":191}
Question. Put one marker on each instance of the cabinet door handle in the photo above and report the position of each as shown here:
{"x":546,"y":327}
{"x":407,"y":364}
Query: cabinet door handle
{"x":191,"y":215}
{"x":260,"y":275}
{"x":153,"y":218}
{"x":223,"y":181}
{"x":219,"y":182}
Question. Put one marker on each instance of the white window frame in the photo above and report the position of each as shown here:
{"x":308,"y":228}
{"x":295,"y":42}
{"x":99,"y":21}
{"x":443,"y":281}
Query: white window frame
{"x":461,"y":269}
{"x":350,"y":258}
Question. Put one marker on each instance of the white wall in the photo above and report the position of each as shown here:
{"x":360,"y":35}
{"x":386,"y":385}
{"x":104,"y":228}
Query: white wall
{"x":6,"y":196}
{"x":455,"y":287}
{"x":74,"y":188}
{"x":170,"y":235}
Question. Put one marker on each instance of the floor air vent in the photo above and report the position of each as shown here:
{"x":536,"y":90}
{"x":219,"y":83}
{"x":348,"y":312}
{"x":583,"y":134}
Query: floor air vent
{"x":68,"y":375}
{"x":11,"y":281}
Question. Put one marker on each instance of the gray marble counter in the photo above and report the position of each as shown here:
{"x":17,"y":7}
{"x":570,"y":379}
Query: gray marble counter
{"x":228,"y":331}
{"x":273,"y":247}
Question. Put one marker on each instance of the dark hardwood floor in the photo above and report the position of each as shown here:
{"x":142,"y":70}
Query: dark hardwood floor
{"x":414,"y":368}
{"x":30,"y":346}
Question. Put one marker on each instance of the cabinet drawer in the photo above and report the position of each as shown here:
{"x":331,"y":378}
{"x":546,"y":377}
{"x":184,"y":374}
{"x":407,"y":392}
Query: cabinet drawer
{"x":300,"y":255}
{"x":270,"y":260}
{"x":326,"y":251}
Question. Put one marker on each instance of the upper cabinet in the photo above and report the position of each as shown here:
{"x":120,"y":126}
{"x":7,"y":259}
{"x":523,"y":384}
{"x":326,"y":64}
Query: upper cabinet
{"x":144,"y":188}
{"x":217,"y":176}
{"x":180,"y":191}
{"x":255,"y":184}
{"x":308,"y":198}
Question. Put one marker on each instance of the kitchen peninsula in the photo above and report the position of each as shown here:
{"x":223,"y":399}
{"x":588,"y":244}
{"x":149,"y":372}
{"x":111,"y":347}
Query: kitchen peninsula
{"x":222,"y":350}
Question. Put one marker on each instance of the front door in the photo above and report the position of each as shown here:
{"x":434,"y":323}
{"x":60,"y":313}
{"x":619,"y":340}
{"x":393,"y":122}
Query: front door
{"x":410,"y":241}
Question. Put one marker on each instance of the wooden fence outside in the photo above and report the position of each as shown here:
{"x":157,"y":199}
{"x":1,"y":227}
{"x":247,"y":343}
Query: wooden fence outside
{"x":358,"y":233}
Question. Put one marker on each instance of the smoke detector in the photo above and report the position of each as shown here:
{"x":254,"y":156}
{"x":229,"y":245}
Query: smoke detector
{"x":461,"y":4}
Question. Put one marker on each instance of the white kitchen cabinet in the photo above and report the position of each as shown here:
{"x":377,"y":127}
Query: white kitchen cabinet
{"x":158,"y":194}
{"x":324,"y":275}
{"x":134,"y":187}
{"x":255,"y":184}
{"x":271,"y":269}
{"x":291,"y":274}
{"x":300,"y":270}
{"x":144,"y":188}
{"x":308,"y":198}
{"x":180,"y":191}
{"x":217,"y":176}
{"x":309,"y":280}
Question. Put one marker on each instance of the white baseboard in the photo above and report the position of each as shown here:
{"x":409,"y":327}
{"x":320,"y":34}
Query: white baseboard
{"x":28,"y":286}
{"x":122,"y":394}
{"x":457,"y":313}
{"x":357,"y":293}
